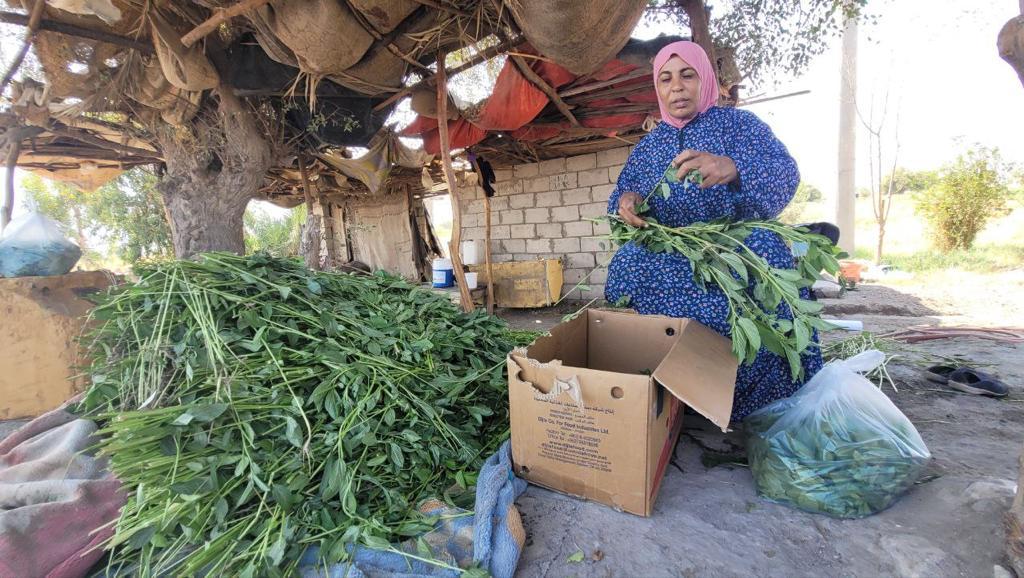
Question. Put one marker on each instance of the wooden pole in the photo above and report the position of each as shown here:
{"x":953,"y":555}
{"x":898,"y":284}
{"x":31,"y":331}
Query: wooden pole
{"x":846,"y":189}
{"x":312,"y":232}
{"x":453,"y":190}
{"x":12,"y":161}
{"x":536,"y":80}
{"x":78,"y":31}
{"x":30,"y":34}
{"x":487,"y":255}
{"x":220,"y":16}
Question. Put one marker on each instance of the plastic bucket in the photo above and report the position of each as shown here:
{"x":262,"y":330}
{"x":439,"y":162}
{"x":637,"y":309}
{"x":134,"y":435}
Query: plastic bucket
{"x":471,"y":280}
{"x":470,"y":252}
{"x":443,"y":273}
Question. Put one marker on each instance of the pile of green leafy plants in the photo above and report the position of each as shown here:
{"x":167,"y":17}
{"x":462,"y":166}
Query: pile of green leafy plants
{"x":765,"y":306}
{"x":254,"y":408}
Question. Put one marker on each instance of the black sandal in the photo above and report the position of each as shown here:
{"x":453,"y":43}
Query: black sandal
{"x":976,"y":382}
{"x":939,"y":373}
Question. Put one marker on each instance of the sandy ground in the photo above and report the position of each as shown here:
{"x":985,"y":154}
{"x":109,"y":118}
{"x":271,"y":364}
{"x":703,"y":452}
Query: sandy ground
{"x":710,"y":521}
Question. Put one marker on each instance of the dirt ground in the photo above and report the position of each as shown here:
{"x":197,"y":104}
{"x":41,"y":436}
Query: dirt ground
{"x":710,"y":521}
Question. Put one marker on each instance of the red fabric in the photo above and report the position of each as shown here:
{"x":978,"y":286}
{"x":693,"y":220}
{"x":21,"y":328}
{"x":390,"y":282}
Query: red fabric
{"x":56,"y":498}
{"x":419,"y":126}
{"x":613,"y":69}
{"x":515,"y":102}
{"x":461,"y":134}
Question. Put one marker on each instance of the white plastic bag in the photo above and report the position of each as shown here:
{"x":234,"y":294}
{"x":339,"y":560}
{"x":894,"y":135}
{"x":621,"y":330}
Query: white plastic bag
{"x":32,"y":245}
{"x":839,"y":446}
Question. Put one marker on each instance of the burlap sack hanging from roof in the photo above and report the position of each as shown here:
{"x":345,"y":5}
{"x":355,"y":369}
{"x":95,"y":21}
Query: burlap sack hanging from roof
{"x":423,"y":102}
{"x":185,"y":68}
{"x":152,"y":89}
{"x":385,"y":15}
{"x":580,"y":36}
{"x":323,"y":34}
{"x":381,"y":70}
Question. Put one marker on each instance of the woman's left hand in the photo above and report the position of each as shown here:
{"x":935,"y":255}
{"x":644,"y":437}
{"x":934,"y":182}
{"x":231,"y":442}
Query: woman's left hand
{"x":714,"y":169}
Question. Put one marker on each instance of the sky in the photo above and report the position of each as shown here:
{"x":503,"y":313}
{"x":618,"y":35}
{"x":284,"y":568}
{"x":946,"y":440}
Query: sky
{"x":937,"y":64}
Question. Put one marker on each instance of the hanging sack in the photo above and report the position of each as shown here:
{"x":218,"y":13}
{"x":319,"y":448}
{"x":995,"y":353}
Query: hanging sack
{"x":33,"y":245}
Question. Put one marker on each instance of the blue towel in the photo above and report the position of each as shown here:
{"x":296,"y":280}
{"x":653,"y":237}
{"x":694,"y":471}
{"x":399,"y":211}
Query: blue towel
{"x":491,"y":537}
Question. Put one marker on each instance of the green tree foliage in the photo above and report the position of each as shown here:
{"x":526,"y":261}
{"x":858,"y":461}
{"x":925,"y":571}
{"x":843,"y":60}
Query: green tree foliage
{"x":279,"y":236}
{"x":968,"y":193}
{"x":807,"y":193}
{"x":124,"y":218}
{"x":905,"y":181}
{"x":768,"y":36}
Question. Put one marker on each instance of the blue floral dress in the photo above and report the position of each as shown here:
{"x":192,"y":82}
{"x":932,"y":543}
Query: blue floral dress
{"x":662,"y":284}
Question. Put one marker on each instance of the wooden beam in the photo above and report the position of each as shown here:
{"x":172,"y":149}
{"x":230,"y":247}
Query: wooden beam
{"x":78,"y":31}
{"x":312,"y":240}
{"x":30,"y":34}
{"x":544,"y":87}
{"x":220,"y":16}
{"x":487,"y":255}
{"x":453,"y":190}
{"x":386,"y":40}
{"x":444,"y":8}
{"x":480,"y":57}
{"x":596,"y":85}
{"x":88,"y":138}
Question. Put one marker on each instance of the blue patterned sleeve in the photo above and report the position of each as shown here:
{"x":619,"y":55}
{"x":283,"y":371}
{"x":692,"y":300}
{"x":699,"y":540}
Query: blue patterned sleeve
{"x":768,"y":175}
{"x":627,"y":179}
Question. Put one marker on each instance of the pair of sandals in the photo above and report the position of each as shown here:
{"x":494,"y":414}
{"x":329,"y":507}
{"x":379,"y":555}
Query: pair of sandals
{"x":967,"y":380}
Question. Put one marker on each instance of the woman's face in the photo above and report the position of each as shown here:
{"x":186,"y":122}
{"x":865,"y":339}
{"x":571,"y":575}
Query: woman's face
{"x":679,"y":88}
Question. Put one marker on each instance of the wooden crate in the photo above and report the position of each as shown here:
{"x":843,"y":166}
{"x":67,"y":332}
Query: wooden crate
{"x":524,"y":284}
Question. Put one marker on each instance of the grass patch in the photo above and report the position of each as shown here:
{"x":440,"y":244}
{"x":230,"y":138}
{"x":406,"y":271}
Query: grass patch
{"x":977,"y":259}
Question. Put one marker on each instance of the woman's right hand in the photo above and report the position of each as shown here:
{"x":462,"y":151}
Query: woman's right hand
{"x":627,"y":209}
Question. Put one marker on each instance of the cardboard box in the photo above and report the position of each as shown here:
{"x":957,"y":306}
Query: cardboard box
{"x":596,"y":406}
{"x":524,"y":284}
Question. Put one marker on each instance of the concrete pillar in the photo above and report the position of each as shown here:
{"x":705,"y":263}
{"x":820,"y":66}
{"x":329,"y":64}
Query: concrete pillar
{"x":846,"y":191}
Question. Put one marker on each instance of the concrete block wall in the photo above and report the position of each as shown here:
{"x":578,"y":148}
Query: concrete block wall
{"x":541,"y":211}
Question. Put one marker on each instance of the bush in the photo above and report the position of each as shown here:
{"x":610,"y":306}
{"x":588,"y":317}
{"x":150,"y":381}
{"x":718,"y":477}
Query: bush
{"x":968,"y":193}
{"x":806,"y":193}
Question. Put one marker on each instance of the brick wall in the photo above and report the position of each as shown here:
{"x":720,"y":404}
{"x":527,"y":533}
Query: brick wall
{"x":540,"y":211}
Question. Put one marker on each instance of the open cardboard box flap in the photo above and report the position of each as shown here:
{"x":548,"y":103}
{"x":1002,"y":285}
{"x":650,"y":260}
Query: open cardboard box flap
{"x":691,"y":361}
{"x":700,"y":370}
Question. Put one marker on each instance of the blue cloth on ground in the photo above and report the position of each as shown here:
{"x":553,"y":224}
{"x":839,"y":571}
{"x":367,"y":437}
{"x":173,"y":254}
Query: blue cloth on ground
{"x":491,"y":537}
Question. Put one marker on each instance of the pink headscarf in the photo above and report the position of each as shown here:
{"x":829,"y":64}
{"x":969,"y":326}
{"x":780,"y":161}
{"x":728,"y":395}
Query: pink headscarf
{"x":694,"y":55}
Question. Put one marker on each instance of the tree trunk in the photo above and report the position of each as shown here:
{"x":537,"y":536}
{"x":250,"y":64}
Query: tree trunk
{"x":1011,"y":44}
{"x":881,"y":241}
{"x":212,"y":172}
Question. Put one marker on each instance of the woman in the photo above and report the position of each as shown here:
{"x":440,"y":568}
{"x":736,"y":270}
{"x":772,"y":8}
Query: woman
{"x":747,"y":174}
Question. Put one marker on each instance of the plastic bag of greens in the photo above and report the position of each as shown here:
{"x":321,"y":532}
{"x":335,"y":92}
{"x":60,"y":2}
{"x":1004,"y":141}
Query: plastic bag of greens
{"x":33,"y":245}
{"x":838,"y":446}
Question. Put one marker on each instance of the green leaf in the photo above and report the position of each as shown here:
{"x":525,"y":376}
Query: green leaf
{"x":293,"y":433}
{"x":208,"y":412}
{"x":750,"y":331}
{"x":184,"y":419}
{"x":276,"y":552}
{"x":671,"y":174}
{"x":376,"y":542}
{"x":802,"y":333}
{"x":666,"y":190}
{"x":575,"y":558}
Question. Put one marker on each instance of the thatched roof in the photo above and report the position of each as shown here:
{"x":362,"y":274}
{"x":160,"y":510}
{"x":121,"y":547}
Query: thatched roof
{"x":330,"y":72}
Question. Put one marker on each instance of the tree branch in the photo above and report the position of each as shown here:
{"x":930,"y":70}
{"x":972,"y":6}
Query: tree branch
{"x":700,"y":28}
{"x":30,"y":34}
{"x":220,"y":16}
{"x":77,"y":31}
{"x":544,"y":87}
